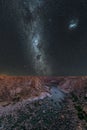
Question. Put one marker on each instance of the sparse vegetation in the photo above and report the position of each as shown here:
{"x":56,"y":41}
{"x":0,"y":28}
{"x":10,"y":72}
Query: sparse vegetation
{"x":16,"y":98}
{"x":74,"y":97}
{"x":79,"y":107}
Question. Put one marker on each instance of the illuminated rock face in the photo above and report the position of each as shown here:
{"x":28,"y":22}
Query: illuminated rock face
{"x":40,"y":37}
{"x":33,"y":112}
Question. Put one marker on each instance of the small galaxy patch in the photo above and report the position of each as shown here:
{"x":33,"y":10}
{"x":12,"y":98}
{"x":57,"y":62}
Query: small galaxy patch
{"x":43,"y":37}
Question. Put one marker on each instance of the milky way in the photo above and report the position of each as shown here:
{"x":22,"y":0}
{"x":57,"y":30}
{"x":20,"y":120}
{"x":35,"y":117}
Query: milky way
{"x":48,"y":30}
{"x":39,"y":37}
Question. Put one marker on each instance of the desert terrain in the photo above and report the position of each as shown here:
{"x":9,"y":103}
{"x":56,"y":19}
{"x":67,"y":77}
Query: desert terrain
{"x":43,"y":103}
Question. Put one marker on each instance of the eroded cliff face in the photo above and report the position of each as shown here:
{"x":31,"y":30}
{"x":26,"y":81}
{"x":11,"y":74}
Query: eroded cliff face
{"x":13,"y":88}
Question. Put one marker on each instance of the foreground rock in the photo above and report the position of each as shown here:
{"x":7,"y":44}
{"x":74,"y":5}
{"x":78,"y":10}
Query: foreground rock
{"x":38,"y":113}
{"x":55,"y":104}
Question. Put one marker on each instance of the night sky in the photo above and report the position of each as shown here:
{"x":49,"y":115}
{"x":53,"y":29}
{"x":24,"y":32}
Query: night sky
{"x":43,"y":37}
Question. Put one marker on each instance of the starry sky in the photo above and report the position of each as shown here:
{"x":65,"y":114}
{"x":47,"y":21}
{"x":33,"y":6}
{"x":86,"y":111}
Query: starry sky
{"x":43,"y":37}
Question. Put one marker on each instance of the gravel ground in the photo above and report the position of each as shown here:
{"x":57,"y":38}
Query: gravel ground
{"x":38,"y":114}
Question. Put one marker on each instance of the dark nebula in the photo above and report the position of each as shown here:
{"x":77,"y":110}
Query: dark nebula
{"x":39,"y":37}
